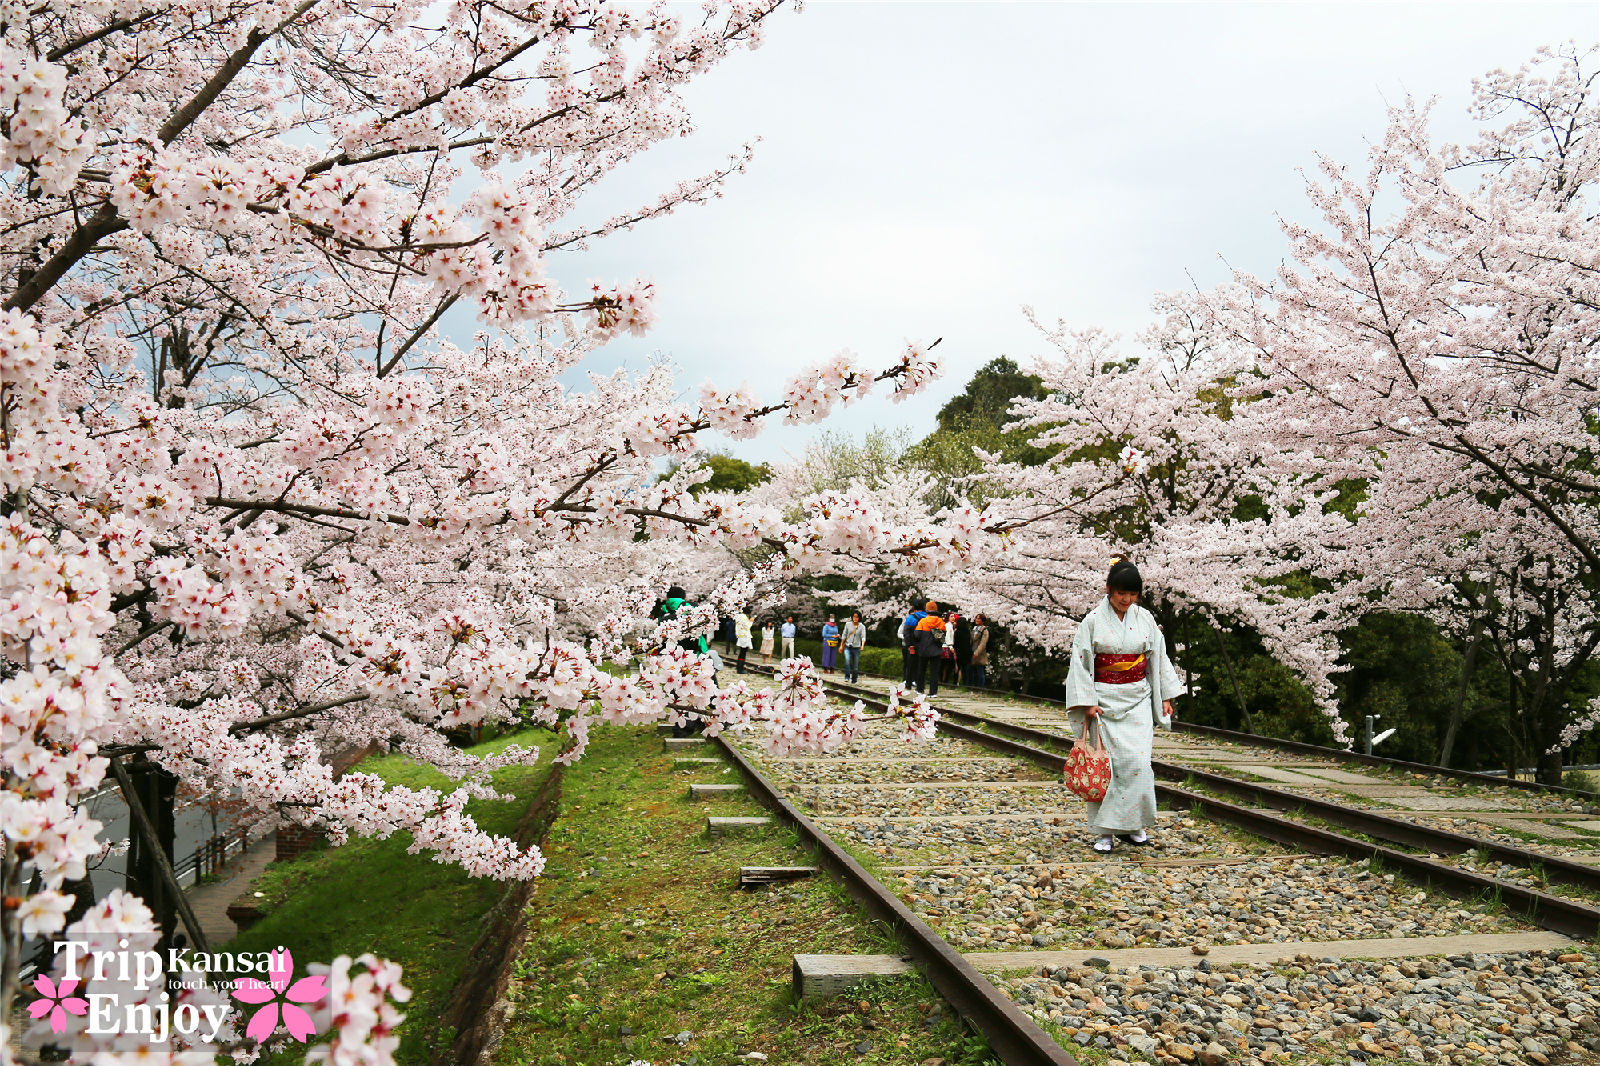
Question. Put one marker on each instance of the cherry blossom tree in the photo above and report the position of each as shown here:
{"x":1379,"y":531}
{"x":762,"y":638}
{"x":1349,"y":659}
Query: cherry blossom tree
{"x":256,"y":505}
{"x":1149,"y":456}
{"x":1432,"y":340}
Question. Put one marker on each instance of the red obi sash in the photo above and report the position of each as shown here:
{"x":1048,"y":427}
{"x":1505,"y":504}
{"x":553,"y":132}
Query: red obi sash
{"x":1111,"y":669}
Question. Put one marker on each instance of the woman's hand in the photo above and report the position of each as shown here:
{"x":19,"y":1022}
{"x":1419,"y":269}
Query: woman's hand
{"x":1166,"y":709}
{"x":1091,"y":712}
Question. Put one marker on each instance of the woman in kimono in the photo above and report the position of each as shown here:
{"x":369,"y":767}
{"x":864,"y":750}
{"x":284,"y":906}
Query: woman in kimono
{"x":1120,"y":675}
{"x":769,"y":633}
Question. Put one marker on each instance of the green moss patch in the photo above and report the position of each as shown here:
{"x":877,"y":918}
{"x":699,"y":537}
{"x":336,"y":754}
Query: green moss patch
{"x":642,"y":945}
{"x":371,"y":895}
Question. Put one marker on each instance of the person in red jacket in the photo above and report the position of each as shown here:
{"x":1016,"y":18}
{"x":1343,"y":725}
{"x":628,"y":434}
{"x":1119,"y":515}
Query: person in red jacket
{"x":929,"y":650}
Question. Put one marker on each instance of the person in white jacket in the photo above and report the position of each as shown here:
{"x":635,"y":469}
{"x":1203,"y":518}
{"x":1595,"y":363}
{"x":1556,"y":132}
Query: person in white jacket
{"x":742,"y":624}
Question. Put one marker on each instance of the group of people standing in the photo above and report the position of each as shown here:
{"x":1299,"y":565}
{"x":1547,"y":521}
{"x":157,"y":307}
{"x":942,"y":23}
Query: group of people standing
{"x":936,"y":648}
{"x":945,"y":648}
{"x":739,"y":632}
{"x":1120,"y":681}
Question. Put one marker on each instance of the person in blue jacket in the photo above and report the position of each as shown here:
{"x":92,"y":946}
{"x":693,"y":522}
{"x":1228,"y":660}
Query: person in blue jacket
{"x":830,"y":645}
{"x":908,"y":640}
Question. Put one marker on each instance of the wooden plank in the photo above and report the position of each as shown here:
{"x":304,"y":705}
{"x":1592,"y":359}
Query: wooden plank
{"x":751,"y":876}
{"x":1055,"y":816}
{"x":701,"y":792}
{"x":1101,"y":864}
{"x":835,"y":760}
{"x":825,"y":976}
{"x":681,"y":743}
{"x":692,"y":762}
{"x":992,"y":785}
{"x":1384,"y":948}
{"x":719,"y":826}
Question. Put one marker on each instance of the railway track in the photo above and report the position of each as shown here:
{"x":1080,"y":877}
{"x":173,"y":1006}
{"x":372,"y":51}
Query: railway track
{"x":977,"y":842}
{"x":1526,"y":833}
{"x":962,"y":695}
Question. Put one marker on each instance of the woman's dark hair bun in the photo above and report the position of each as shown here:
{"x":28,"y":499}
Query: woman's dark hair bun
{"x":1124,"y":576}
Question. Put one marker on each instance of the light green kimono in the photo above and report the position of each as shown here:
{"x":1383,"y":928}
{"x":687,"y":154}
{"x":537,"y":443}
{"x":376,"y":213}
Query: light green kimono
{"x":1128,"y":712}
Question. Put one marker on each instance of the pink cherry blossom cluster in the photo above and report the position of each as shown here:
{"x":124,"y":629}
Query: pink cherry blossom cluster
{"x":1171,"y":484}
{"x":922,"y":720}
{"x":362,"y":1010}
{"x":625,"y":308}
{"x":259,"y":511}
{"x":41,"y":133}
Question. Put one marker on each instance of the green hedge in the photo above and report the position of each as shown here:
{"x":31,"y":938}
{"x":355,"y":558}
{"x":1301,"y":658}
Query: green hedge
{"x":879,"y":662}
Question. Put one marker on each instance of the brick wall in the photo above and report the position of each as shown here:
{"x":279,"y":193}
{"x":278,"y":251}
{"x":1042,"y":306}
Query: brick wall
{"x":295,"y":840}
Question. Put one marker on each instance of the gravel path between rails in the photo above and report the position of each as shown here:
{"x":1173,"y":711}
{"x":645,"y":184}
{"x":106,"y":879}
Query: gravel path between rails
{"x":1257,"y":902}
{"x":1031,"y":884}
{"x":959,"y":798}
{"x":886,"y":770}
{"x":1510,"y":1009}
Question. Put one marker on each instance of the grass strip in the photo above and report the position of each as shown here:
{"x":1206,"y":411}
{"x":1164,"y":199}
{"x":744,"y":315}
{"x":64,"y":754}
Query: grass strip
{"x":643,"y":947}
{"x":371,"y":895}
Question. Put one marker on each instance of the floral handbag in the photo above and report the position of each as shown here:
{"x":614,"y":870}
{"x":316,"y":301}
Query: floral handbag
{"x":1088,"y":769}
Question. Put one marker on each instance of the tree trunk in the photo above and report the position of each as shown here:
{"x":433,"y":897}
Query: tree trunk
{"x":1227,"y":660}
{"x":157,"y":791}
{"x":1468,"y":665}
{"x":1549,"y":768}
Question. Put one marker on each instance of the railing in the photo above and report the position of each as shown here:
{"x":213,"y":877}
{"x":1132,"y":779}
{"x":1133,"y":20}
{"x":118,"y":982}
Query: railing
{"x":210,"y":858}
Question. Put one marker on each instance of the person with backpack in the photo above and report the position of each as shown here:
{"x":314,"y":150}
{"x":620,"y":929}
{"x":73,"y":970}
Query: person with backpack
{"x":908,"y":644}
{"x":930,"y":650}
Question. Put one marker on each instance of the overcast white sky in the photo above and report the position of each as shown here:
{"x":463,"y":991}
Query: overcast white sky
{"x":927,"y":169}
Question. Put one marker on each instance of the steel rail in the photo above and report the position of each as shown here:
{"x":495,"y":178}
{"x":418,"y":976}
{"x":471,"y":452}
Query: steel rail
{"x":1012,"y":1035}
{"x":1551,"y":912}
{"x":1319,"y":750}
{"x":1302,"y":748}
{"x":1370,"y":823}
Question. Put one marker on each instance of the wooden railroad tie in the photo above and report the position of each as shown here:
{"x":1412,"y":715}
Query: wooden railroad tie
{"x":752,"y":876}
{"x":719,"y":826}
{"x":826,"y":976}
{"x":700,"y":792}
{"x":821,"y":976}
{"x":681,"y":743}
{"x":692,"y":762}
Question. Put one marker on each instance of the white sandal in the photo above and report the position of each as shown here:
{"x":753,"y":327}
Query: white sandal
{"x":1105,"y":844}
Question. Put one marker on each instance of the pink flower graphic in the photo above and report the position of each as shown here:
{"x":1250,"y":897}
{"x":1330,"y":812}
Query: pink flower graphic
{"x":57,"y":1001}
{"x":264,"y":1022}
